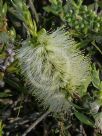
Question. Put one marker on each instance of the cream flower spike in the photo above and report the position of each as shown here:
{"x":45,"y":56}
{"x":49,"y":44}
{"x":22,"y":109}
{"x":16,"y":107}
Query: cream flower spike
{"x":55,"y":69}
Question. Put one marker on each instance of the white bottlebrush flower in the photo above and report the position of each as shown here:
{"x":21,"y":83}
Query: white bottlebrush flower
{"x":55,"y":69}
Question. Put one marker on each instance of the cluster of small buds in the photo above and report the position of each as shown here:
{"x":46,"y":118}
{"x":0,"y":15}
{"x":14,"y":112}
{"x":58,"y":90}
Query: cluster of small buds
{"x":4,"y":63}
{"x":84,"y":20}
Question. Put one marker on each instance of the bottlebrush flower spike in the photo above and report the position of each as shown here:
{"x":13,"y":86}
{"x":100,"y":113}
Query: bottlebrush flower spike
{"x":55,"y":69}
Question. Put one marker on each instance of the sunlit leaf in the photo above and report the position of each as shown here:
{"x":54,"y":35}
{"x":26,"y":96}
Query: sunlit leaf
{"x":83,"y":118}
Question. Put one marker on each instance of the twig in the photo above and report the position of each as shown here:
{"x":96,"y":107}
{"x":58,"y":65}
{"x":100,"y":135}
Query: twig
{"x":35,"y":123}
{"x":45,"y":129}
{"x":33,"y":10}
{"x":15,"y":123}
{"x":19,"y":109}
{"x":82,"y":130}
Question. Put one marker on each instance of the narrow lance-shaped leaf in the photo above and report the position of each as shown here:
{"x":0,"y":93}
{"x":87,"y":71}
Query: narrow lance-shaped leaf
{"x":83,"y":118}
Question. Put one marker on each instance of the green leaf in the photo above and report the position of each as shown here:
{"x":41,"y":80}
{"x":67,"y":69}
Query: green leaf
{"x":2,"y":55}
{"x":4,"y":10}
{"x":18,"y":15}
{"x":4,"y":95}
{"x":83,"y":118}
{"x":101,"y":86}
{"x":98,"y":134}
{"x":91,"y":6}
{"x":95,"y":78}
{"x":47,"y":9}
{"x":100,"y":3}
{"x":80,"y":2}
{"x":1,"y":128}
{"x":4,"y":37}
{"x":13,"y":83}
{"x":11,"y":69}
{"x":53,"y":1}
{"x":76,"y":106}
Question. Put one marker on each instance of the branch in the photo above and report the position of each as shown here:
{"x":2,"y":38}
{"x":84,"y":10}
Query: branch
{"x":35,"y":123}
{"x":33,"y":10}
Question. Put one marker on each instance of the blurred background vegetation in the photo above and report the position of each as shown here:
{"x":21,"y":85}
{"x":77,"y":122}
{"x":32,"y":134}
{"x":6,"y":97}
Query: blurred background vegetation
{"x":18,"y":107}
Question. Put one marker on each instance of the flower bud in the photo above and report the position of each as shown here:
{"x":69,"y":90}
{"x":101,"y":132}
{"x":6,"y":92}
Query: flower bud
{"x":94,"y":107}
